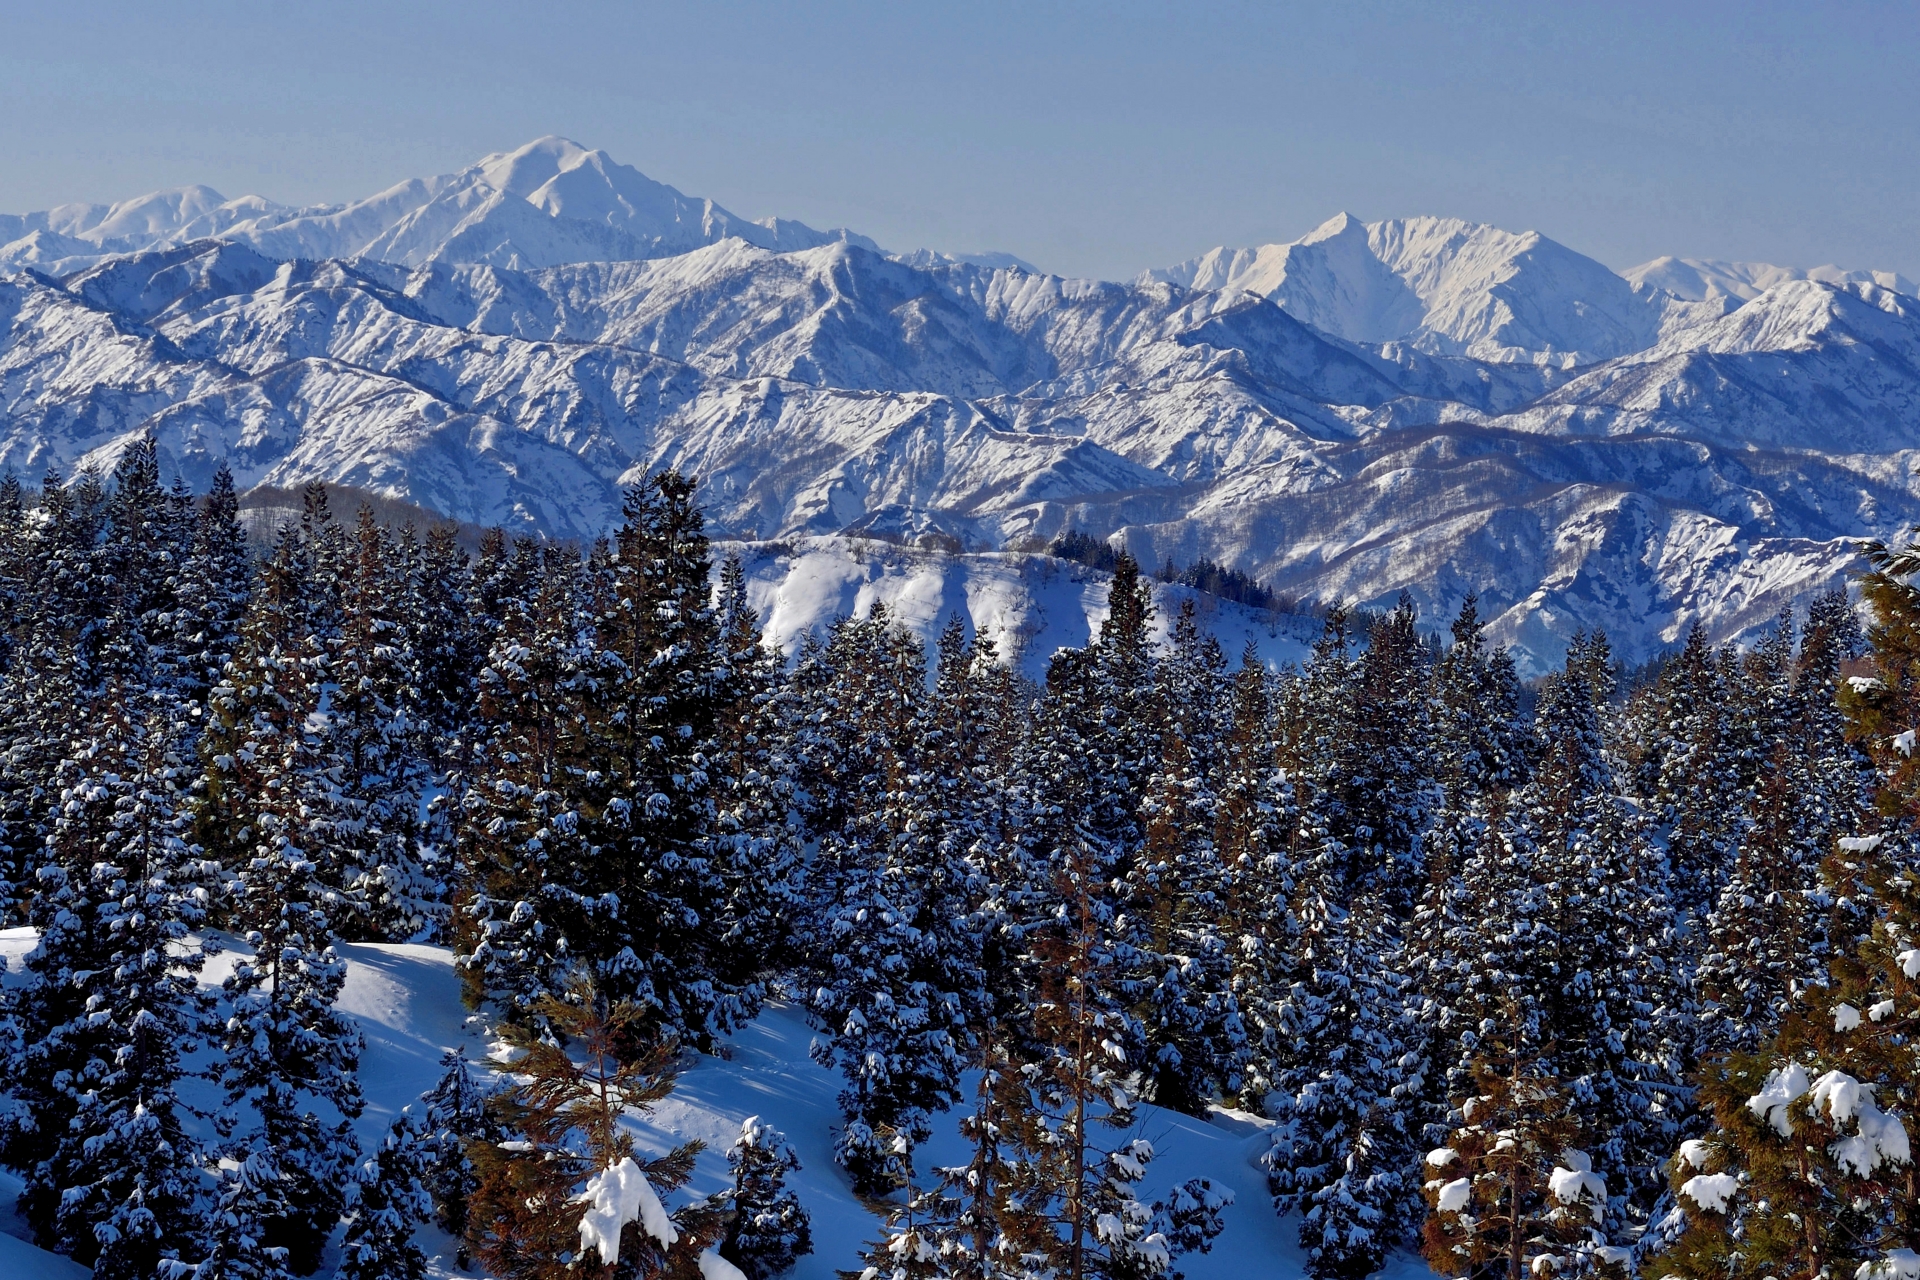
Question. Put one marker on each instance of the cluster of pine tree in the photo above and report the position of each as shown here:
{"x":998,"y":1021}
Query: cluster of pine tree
{"x":1488,"y":956}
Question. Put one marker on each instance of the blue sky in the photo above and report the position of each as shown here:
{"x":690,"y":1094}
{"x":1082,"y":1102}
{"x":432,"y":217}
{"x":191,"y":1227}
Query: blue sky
{"x":1091,"y":139}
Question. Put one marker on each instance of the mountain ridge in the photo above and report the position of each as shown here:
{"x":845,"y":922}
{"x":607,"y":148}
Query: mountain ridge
{"x":1714,"y":468}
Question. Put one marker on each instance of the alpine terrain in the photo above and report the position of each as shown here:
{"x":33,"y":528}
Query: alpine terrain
{"x":1419,"y":405}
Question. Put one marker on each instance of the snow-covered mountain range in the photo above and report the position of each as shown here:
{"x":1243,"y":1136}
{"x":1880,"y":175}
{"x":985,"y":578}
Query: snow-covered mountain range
{"x":1423,"y":404}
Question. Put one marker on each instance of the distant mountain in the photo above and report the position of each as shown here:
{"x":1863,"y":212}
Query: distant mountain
{"x":549,"y":202}
{"x":1423,"y":405}
{"x":1706,"y":280}
{"x":1441,"y":285}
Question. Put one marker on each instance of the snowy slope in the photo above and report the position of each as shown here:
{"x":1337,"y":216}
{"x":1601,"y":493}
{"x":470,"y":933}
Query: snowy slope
{"x":406,"y":1000}
{"x":1028,"y":605}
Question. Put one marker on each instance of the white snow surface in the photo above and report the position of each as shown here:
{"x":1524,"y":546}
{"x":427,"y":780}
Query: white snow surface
{"x":1878,"y":1138}
{"x":1420,"y":404}
{"x":406,"y":1000}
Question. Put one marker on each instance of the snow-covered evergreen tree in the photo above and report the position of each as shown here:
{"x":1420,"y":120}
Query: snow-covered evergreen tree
{"x":111,"y":1006}
{"x":1255,"y":820}
{"x":1196,"y":1042}
{"x":1349,"y":1095}
{"x":769,"y":1228}
{"x":456,"y":1116}
{"x":289,"y":1071}
{"x":386,"y":1201}
{"x":250,"y":1201}
{"x":565,"y":1195}
{"x":1510,"y":1193}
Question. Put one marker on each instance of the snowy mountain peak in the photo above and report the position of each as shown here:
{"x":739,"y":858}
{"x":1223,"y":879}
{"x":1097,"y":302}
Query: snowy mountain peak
{"x":524,"y":170}
{"x":1442,"y":285}
{"x":549,"y":202}
{"x":1340,"y":224}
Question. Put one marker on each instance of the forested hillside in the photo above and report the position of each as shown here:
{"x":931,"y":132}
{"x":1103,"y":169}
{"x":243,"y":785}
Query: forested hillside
{"x":1609,"y":973}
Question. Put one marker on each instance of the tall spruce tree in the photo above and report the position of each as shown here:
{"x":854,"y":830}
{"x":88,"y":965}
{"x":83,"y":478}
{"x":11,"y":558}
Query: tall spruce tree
{"x":111,"y":1007}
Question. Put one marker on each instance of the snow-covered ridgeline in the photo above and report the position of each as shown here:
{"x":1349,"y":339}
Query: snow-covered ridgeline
{"x":1407,"y":405}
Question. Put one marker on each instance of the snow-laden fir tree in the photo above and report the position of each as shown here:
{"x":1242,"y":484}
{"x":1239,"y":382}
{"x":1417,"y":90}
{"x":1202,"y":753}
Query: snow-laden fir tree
{"x":755,"y":848}
{"x":290,"y":1059}
{"x":385,"y":1202}
{"x":517,"y":825}
{"x":1766,"y":934}
{"x":96,"y":1125}
{"x":1511,"y":1194}
{"x":1255,"y":819}
{"x":769,"y":1228}
{"x":896,"y":964}
{"x":50,"y":679}
{"x":456,"y":1116}
{"x":270,"y":781}
{"x":586,"y":828}
{"x":1695,"y":783}
{"x":370,"y":745}
{"x":249,"y":1201}
{"x":1196,"y":1041}
{"x":215,"y":583}
{"x":289,"y":1076}
{"x":1570,"y":927}
{"x":1349,"y":1094}
{"x":1383,"y":774}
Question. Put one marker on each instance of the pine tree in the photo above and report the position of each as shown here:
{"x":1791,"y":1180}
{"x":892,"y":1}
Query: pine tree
{"x":1254,"y":820}
{"x":1697,"y":783}
{"x":769,"y":1228}
{"x":1765,"y":935}
{"x":1807,"y":1165}
{"x":267,"y":803}
{"x":1510,"y":1193}
{"x":214,"y":588}
{"x":369,"y":748}
{"x":588,"y":827}
{"x":1196,"y":1042}
{"x":1604,"y":975}
{"x":1807,"y":1168}
{"x":1385,"y":782}
{"x":388,"y":1198}
{"x":517,"y":826}
{"x":1349,"y":1098}
{"x":566,"y":1197}
{"x":1080,"y":1083}
{"x":755,"y":850}
{"x":251,"y":1198}
{"x":290,"y":1065}
{"x":896,"y":966}
{"x":111,"y":1006}
{"x":457,"y":1116}
{"x":50,"y":681}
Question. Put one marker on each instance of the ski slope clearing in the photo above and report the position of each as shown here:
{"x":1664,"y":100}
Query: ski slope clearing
{"x":1029,"y":605}
{"x":406,"y":1000}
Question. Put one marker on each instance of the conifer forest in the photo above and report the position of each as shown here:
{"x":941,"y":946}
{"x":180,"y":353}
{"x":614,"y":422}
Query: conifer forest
{"x":1616,"y":973}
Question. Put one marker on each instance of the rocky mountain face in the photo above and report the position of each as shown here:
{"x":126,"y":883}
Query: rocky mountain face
{"x":1423,"y":405}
